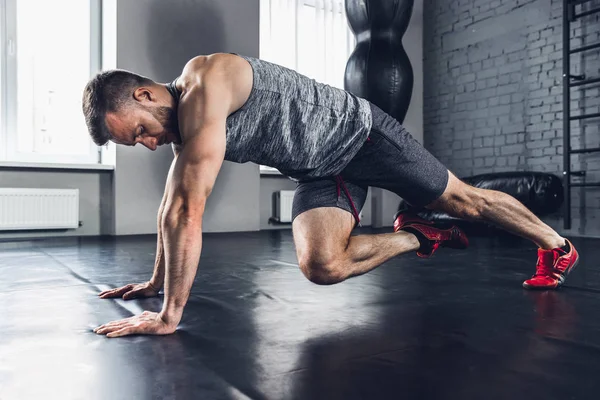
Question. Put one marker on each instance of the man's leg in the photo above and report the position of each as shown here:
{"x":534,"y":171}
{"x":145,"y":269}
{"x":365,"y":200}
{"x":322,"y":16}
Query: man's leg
{"x":557,"y":257}
{"x":328,"y":254}
{"x":467,"y":202}
{"x":392,"y":159}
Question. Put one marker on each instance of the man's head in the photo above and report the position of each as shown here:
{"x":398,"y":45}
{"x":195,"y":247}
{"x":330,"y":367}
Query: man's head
{"x":128,"y":109}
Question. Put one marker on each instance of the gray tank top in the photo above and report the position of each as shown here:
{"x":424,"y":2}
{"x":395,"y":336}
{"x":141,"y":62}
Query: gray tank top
{"x":303,"y":128}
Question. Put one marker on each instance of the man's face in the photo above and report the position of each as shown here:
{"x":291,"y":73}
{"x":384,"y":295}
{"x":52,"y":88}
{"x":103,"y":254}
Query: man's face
{"x":152,"y":126}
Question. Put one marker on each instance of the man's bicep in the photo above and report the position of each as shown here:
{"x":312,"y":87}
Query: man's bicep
{"x":203,"y":112}
{"x":199,"y":164}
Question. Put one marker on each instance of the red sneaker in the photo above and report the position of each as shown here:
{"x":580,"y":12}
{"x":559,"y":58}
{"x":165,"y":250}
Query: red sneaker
{"x":452,"y":237}
{"x":552,"y":268}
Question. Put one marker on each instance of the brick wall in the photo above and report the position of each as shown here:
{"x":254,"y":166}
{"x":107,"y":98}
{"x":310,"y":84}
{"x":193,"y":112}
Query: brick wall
{"x":493,"y":92}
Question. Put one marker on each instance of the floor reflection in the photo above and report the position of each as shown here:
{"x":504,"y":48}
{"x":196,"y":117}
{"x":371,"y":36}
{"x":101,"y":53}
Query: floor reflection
{"x":456,"y":326}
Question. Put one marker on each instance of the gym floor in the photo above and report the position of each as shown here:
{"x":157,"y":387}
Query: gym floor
{"x":456,"y":326}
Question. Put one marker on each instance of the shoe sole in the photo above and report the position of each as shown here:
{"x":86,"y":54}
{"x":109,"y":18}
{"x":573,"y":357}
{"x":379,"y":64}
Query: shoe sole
{"x":559,"y":284}
{"x":568,"y":272}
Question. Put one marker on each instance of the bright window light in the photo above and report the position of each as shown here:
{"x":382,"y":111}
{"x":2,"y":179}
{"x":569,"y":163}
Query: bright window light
{"x":51,"y":56}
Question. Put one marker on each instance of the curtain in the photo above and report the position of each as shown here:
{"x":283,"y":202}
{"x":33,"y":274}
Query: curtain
{"x":309,"y":36}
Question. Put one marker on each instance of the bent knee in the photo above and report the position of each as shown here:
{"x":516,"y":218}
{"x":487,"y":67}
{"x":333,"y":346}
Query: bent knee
{"x":321,"y":271}
{"x":321,"y":238}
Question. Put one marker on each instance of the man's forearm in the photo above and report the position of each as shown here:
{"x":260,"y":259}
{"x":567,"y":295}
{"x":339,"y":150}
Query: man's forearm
{"x":182,"y":238}
{"x":158,"y":276}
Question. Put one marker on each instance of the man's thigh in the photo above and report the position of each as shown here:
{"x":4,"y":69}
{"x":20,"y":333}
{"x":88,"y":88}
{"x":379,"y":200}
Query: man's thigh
{"x":323,"y":217}
{"x":320,"y":234}
{"x":392,"y":159}
{"x":329,"y":193}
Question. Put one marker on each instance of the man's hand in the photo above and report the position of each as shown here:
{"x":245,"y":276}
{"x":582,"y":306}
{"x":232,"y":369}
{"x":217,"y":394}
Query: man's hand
{"x":131,"y":291}
{"x":148,"y":323}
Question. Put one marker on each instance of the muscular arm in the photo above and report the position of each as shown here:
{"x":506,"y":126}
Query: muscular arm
{"x":214,"y":88}
{"x":182,"y":222}
{"x":204,"y":111}
{"x":153,"y":286}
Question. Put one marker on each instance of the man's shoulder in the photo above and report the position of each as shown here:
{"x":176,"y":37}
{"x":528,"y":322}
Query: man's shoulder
{"x":204,"y":69}
{"x":208,"y":61}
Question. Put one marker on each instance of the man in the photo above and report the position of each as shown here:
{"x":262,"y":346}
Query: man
{"x":226,"y":106}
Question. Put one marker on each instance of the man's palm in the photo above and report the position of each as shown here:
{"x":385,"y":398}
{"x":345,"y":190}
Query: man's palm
{"x":131,"y":291}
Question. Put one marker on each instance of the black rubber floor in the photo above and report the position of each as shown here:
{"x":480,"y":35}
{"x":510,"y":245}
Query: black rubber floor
{"x":457,"y":326}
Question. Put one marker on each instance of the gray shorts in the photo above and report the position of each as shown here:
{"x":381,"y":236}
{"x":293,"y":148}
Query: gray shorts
{"x":390,"y":159}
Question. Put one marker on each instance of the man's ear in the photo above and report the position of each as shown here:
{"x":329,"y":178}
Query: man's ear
{"x":143,"y":94}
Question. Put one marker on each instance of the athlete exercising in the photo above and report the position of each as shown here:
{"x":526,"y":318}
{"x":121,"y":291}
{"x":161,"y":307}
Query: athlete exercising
{"x":333,"y":143}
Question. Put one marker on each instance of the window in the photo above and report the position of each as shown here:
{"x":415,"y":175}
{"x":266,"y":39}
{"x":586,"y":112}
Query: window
{"x":49,"y":51}
{"x":309,"y":36}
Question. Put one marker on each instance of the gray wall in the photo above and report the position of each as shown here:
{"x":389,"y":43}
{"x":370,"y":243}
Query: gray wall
{"x":94,"y":197}
{"x":270,"y":184}
{"x":156,"y":38}
{"x":493,"y":93}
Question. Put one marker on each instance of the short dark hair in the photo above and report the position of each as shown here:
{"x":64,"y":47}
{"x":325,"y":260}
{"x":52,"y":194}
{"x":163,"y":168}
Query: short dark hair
{"x":107,"y":92}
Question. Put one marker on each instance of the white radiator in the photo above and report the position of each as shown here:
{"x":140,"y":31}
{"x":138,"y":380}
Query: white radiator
{"x":25,"y":209}
{"x":282,"y":210}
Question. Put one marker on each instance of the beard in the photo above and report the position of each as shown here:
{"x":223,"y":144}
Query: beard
{"x":167,"y":116}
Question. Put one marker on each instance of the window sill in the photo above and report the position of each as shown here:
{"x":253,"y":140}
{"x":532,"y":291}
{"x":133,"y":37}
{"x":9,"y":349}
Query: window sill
{"x":56,"y":166}
{"x":272,"y":173}
{"x":269,"y":171}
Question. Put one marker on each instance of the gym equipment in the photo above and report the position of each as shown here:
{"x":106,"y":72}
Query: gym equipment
{"x":379,"y":69}
{"x":570,"y":16}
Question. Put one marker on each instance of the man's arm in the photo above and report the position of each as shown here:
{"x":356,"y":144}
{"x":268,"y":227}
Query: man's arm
{"x":203,"y":110}
{"x":153,"y":286}
{"x":195,"y":174}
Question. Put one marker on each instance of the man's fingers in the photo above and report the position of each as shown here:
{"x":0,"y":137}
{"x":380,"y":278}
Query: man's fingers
{"x":115,"y":292}
{"x":132,"y":294}
{"x":112,"y":324}
{"x":109,"y":329}
{"x":110,"y":291}
{"x":128,"y":330}
{"x":145,"y":323}
{"x":103,"y":329}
